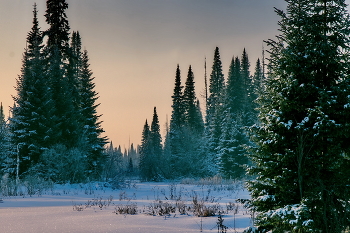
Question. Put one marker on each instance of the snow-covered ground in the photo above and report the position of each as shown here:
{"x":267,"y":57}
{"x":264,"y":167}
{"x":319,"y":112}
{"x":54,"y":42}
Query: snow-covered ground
{"x":93,"y":207}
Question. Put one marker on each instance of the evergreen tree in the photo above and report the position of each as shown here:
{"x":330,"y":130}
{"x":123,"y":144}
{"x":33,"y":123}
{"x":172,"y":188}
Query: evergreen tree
{"x":302,"y":155}
{"x":235,"y":89}
{"x":4,"y":141}
{"x":192,"y":118}
{"x":30,"y":123}
{"x":156,"y":148}
{"x":215,"y":110}
{"x":174,"y":139}
{"x":58,"y":53}
{"x":145,"y":153}
{"x":93,"y":140}
{"x":216,"y":87}
{"x":232,"y":156}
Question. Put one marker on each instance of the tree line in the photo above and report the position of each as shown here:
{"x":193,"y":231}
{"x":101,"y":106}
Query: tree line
{"x":197,"y":145}
{"x":54,"y":129}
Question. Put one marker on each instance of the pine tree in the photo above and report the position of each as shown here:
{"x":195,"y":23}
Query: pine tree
{"x":248,"y":107}
{"x":215,"y":110}
{"x":156,"y":148}
{"x":92,"y":129}
{"x":231,"y":152}
{"x":58,"y":54}
{"x":302,"y":155}
{"x":175,"y":138}
{"x":216,"y":86}
{"x":192,"y":118}
{"x":235,"y":89}
{"x":30,"y":123}
{"x":145,"y":153}
{"x":4,"y":141}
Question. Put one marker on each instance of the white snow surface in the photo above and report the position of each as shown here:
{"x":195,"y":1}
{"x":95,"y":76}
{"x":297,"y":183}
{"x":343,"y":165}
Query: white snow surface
{"x":53,"y":210}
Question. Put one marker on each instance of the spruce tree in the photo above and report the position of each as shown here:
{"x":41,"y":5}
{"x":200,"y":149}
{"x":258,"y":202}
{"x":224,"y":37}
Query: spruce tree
{"x":30,"y":123}
{"x":235,"y":89}
{"x":216,"y":87}
{"x":58,"y":53}
{"x":175,"y":136}
{"x":156,"y":148}
{"x":192,"y":118}
{"x":145,"y":153}
{"x":215,"y":110}
{"x":301,"y":157}
{"x":4,"y":141}
{"x":92,"y":129}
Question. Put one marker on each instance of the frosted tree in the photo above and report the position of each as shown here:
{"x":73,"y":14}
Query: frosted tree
{"x":215,"y":110}
{"x":301,"y":157}
{"x":31,"y":123}
{"x":91,"y":126}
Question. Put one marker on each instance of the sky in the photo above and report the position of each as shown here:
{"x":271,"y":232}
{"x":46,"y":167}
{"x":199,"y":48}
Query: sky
{"x":135,"y":45}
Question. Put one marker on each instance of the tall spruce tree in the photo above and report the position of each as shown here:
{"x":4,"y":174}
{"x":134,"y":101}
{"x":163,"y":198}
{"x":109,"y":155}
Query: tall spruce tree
{"x":215,"y":110}
{"x":58,"y":54}
{"x":30,"y":123}
{"x":92,"y":129}
{"x":175,"y":136}
{"x":302,"y":155}
{"x":156,"y":148}
{"x":145,"y":153}
{"x":192,"y":118}
{"x":151,"y":151}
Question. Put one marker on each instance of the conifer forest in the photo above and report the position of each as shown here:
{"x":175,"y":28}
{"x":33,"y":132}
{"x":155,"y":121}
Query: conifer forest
{"x":280,"y":124}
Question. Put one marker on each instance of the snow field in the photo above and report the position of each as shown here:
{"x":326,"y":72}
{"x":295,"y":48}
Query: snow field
{"x":93,"y":207}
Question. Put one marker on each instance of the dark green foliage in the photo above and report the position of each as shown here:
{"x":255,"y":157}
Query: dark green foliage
{"x":186,"y":130}
{"x":302,"y":155}
{"x":58,"y":33}
{"x":192,"y":116}
{"x":231,"y":152}
{"x":145,"y":151}
{"x":55,"y":105}
{"x":4,"y":141}
{"x":151,"y":151}
{"x":216,"y":87}
{"x":31,"y":122}
{"x":215,"y":110}
{"x":92,"y":129}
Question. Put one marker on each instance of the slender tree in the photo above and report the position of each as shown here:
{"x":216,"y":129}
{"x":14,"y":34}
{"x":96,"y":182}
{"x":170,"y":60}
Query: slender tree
{"x":156,"y":148}
{"x":302,"y":155}
{"x":92,"y":129}
{"x":192,"y":118}
{"x":174,"y":140}
{"x":145,"y":153}
{"x":215,"y":110}
{"x":31,"y":123}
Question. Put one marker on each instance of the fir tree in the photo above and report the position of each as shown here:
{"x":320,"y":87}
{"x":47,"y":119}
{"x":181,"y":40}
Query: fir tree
{"x":235,"y":89}
{"x":93,"y":139}
{"x":216,"y":86}
{"x":192,"y":118}
{"x":301,"y":159}
{"x":145,"y":153}
{"x":4,"y":141}
{"x":215,"y":110}
{"x":174,"y":139}
{"x":156,"y":148}
{"x":30,"y":123}
{"x":58,"y":54}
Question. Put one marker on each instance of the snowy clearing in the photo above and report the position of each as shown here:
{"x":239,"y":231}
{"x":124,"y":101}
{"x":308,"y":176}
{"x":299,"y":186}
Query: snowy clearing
{"x":92,"y":208}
